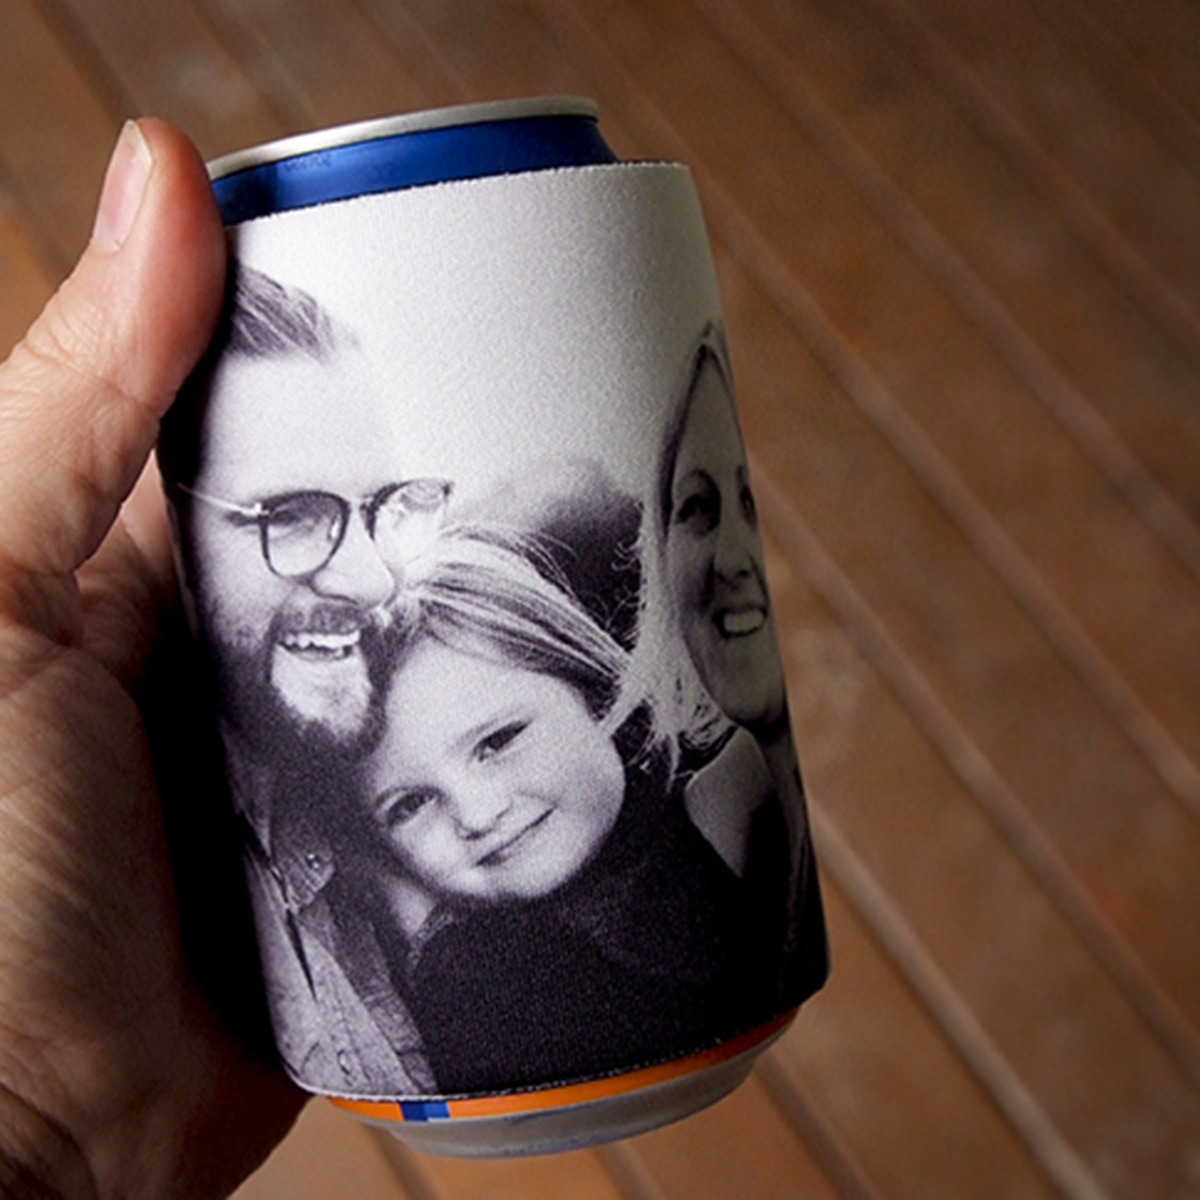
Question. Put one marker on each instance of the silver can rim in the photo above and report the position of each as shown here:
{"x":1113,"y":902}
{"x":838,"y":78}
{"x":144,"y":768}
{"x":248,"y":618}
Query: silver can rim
{"x":416,"y":122}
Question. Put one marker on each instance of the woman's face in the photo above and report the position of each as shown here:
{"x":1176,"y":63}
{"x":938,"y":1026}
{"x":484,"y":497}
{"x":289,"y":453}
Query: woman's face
{"x":492,"y":783}
{"x":714,"y":562}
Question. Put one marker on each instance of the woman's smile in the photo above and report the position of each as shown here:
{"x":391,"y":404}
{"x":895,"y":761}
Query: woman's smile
{"x":740,"y":622}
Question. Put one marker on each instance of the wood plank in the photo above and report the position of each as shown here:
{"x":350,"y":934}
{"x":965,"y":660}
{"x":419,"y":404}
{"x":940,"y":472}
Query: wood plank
{"x":691,"y":60}
{"x":472,"y":50}
{"x":328,"y":1154}
{"x":321,"y":62}
{"x":1148,"y":193}
{"x":992,"y":670}
{"x":1164,"y":38}
{"x":27,"y":284}
{"x":1034,"y":477}
{"x":880,"y":302}
{"x":1136,"y":83}
{"x":740,"y":1146}
{"x":1036,"y":996}
{"x":767,"y":54}
{"x":854,"y":1053}
{"x":56,"y":133}
{"x":170,"y":64}
{"x":1134,"y":376}
{"x":494,"y":48}
{"x":995,"y":118}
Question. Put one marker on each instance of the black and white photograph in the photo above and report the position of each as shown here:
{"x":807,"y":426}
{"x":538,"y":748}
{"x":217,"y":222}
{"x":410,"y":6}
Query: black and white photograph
{"x":469,"y":537}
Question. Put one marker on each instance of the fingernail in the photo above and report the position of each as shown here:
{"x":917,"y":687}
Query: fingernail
{"x":124,"y":185}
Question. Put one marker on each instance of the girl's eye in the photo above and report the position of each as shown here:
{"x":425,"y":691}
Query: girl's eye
{"x":500,"y":739}
{"x":398,"y":807}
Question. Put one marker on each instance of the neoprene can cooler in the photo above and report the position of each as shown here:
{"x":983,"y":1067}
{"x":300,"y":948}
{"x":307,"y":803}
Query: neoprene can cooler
{"x":469,"y":546}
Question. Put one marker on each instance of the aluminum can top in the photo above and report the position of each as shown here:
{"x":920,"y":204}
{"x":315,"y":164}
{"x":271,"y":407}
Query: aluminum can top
{"x":435,"y":146}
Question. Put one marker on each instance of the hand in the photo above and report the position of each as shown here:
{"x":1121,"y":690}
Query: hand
{"x":118,"y":1075}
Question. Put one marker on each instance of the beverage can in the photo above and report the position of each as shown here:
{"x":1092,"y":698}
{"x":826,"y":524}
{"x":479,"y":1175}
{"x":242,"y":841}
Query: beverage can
{"x":468,"y":543}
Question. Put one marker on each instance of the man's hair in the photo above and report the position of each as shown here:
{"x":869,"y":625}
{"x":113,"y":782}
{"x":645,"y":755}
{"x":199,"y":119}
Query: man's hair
{"x":261,"y":320}
{"x":270,"y":320}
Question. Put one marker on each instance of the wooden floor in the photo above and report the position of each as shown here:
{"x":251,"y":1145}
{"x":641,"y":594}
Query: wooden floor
{"x":959,"y":245}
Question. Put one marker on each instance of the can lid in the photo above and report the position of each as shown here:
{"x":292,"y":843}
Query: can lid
{"x":384,"y":127}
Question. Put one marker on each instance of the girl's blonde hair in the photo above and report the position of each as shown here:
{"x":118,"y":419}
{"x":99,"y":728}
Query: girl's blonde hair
{"x":499,"y":594}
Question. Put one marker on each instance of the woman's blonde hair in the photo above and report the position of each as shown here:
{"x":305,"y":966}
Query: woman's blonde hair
{"x":684,"y":711}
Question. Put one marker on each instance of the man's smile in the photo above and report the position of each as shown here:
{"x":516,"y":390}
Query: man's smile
{"x":327,"y":633}
{"x":319,"y":667}
{"x":319,"y":645}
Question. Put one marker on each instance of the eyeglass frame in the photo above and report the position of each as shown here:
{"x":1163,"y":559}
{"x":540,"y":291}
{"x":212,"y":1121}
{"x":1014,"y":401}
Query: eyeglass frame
{"x":261,"y":511}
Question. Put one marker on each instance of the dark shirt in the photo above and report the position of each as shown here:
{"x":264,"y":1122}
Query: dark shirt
{"x":649,"y":954}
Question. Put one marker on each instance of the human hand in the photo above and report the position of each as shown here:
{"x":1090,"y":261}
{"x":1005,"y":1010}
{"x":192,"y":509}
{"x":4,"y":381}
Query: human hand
{"x":118,"y":1077}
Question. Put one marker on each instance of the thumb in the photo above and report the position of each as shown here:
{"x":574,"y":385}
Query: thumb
{"x":81,"y":396}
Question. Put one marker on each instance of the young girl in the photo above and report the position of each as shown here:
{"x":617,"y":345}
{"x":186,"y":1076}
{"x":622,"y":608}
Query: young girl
{"x":551,"y":911}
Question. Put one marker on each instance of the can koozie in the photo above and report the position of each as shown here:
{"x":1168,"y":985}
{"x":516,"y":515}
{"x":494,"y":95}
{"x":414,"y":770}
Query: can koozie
{"x":468,"y":539}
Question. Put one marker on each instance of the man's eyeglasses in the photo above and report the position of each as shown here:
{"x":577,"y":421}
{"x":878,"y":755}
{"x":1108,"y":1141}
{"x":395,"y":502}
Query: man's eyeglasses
{"x":301,"y":531}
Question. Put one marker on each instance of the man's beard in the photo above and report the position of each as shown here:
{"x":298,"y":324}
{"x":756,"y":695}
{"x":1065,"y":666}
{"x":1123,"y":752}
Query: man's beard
{"x":282,"y":711}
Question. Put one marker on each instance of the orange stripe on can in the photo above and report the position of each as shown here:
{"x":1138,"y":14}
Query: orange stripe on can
{"x":564,"y":1095}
